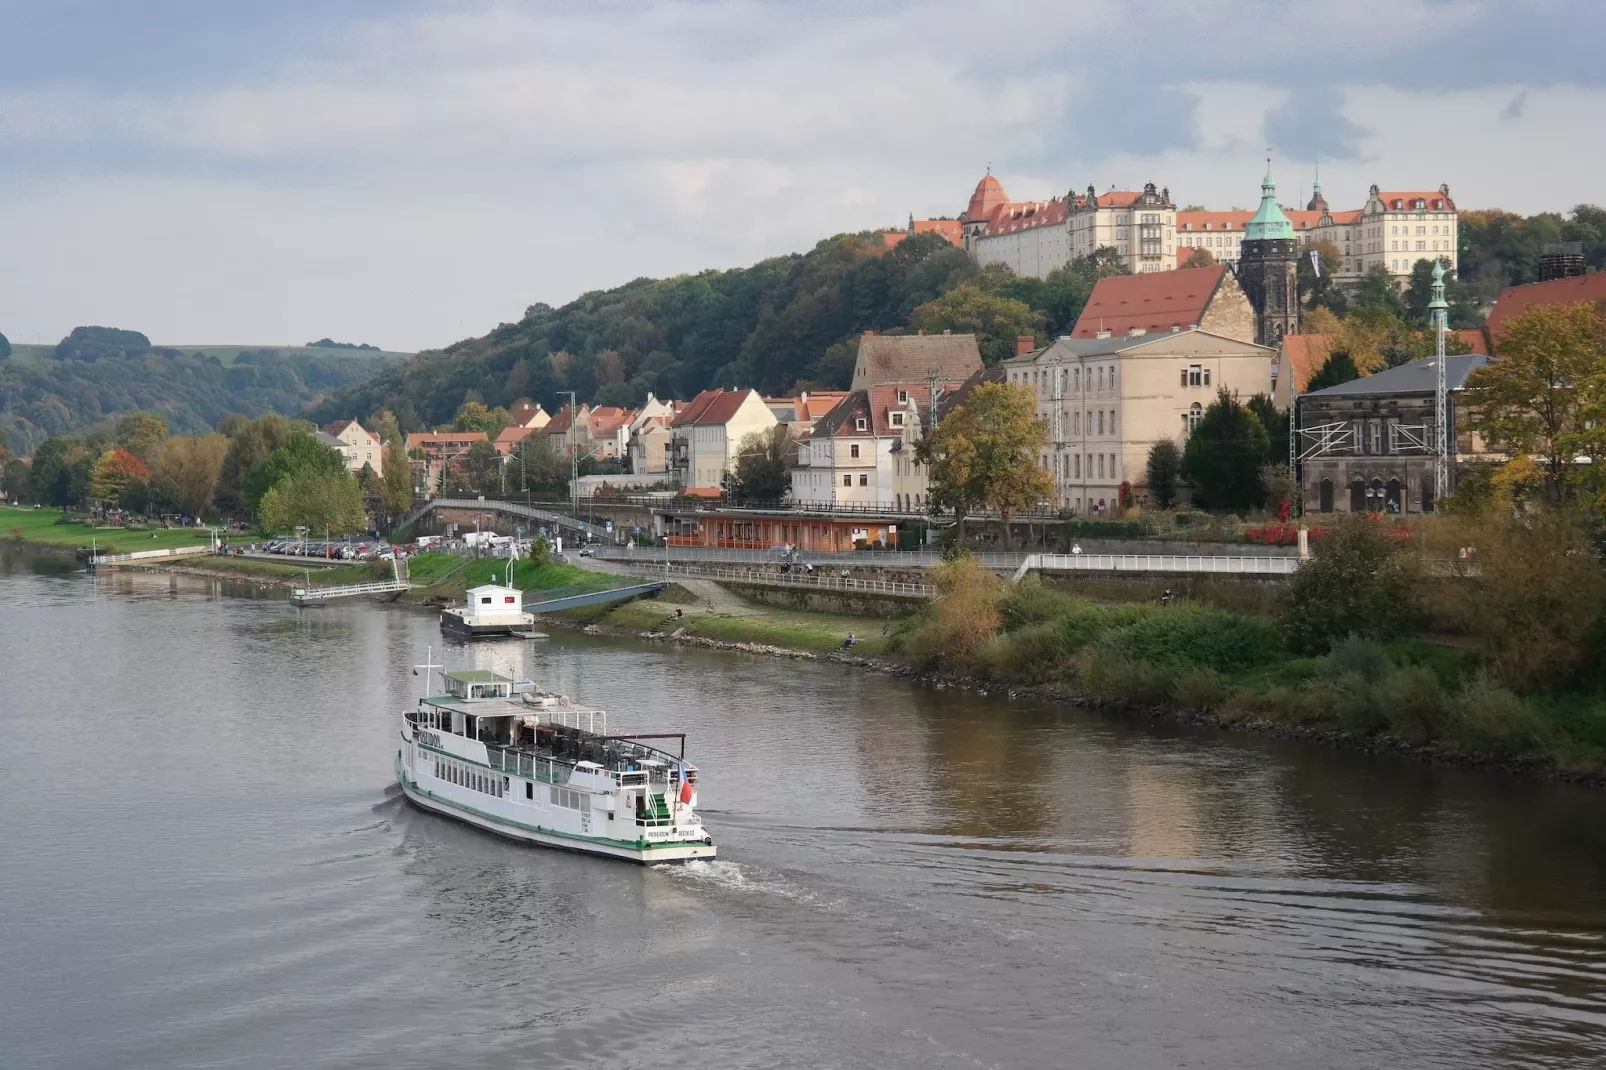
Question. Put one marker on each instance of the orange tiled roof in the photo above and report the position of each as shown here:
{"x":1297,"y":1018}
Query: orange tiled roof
{"x":1515,"y":300}
{"x":1437,"y":200}
{"x":1475,"y":341}
{"x":900,"y":358}
{"x":694,"y":408}
{"x":986,"y":199}
{"x":509,"y":438}
{"x":1010,"y":218}
{"x":1199,"y":222}
{"x":1155,"y":301}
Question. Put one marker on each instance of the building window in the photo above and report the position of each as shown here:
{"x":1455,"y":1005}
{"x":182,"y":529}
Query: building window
{"x":847,"y":481}
{"x":858,"y":424}
{"x":1078,"y":466}
{"x":864,"y":479}
{"x":1101,"y":421}
{"x":897,"y":419}
{"x":1196,"y":375}
{"x":1195,"y":414}
{"x":903,"y":397}
{"x":853,"y":451}
{"x":1101,"y":466}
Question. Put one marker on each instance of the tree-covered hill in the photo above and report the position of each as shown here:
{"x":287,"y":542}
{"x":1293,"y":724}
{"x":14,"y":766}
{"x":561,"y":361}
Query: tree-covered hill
{"x":784,"y":324}
{"x":97,"y":374}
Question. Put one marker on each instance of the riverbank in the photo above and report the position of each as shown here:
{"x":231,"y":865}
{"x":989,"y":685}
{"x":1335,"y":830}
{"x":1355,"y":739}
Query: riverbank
{"x":1187,"y":663}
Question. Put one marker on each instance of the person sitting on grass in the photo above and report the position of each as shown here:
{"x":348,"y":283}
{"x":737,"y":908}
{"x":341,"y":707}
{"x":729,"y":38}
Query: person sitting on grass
{"x":849,"y":641}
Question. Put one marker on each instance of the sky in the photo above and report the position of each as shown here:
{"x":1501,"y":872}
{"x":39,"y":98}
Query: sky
{"x":414,"y":172}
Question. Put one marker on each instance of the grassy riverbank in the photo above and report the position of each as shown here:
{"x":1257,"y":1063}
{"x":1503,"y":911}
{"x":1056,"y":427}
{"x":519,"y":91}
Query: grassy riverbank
{"x":1235,"y":670}
{"x":54,"y":530}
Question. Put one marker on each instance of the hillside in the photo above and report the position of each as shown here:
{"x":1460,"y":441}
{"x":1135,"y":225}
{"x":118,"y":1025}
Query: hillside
{"x":784,"y":323}
{"x":192,"y":387}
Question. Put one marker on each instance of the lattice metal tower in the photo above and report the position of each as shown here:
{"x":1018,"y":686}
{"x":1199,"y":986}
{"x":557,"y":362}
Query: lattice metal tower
{"x":1437,"y":310}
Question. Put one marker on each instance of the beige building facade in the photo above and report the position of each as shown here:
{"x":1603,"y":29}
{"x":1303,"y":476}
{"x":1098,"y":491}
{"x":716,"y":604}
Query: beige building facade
{"x":862,"y":453}
{"x":1035,"y":237}
{"x":1108,"y":400}
{"x":357,"y":445}
{"x":708,"y":432}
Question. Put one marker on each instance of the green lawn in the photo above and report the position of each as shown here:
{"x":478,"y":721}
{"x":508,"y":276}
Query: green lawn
{"x":40,"y":527}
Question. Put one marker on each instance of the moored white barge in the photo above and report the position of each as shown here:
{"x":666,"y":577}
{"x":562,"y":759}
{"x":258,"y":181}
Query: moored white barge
{"x":538,"y":768}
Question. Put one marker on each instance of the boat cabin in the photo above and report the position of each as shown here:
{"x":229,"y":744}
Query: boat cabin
{"x":494,"y":600}
{"x":477,"y":683}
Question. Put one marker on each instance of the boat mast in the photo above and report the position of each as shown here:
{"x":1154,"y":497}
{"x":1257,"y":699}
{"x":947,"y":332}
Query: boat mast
{"x":429,"y":666}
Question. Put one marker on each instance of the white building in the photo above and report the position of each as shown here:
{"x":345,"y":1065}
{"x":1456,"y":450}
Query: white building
{"x":862,"y":452}
{"x":706,"y":435}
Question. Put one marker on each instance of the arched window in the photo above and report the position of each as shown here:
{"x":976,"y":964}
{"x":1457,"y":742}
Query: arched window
{"x":1326,"y":496}
{"x":1357,"y":496}
{"x":1195,"y":414}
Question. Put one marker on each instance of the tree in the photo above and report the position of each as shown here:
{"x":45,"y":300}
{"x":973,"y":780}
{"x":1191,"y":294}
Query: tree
{"x":52,"y":472}
{"x":1197,"y":257}
{"x":1336,"y":369}
{"x":538,"y":466}
{"x":1276,"y":424}
{"x":1357,"y":583}
{"x":251,"y":443}
{"x":368,"y":479}
{"x":481,"y":469}
{"x":187,"y":470}
{"x":995,"y":321}
{"x":1378,"y":291}
{"x":296,"y":452}
{"x":385,"y":426}
{"x":396,"y":486}
{"x":1321,"y":288}
{"x":1162,"y":471}
{"x":141,"y":434}
{"x":1223,"y":456}
{"x":1101,"y":263}
{"x":15,"y":482}
{"x":983,"y":453}
{"x":314,"y":498}
{"x":93,"y":343}
{"x":5,"y":347}
{"x":114,"y":470}
{"x":761,"y":462}
{"x":474,"y":416}
{"x":1540,"y":395}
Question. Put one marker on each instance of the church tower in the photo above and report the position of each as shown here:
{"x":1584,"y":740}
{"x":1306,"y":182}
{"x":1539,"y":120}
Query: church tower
{"x":1267,"y":271}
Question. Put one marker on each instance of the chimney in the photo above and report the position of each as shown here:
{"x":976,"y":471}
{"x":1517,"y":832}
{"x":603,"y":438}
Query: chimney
{"x":1137,"y":332}
{"x":1024,"y":343}
{"x":1102,"y":334}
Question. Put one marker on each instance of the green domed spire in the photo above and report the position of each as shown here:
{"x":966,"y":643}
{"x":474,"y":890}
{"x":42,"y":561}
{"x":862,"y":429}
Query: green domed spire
{"x":1269,"y":222}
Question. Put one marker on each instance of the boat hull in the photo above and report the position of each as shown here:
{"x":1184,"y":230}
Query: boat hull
{"x":457,"y":627}
{"x":646,"y":855}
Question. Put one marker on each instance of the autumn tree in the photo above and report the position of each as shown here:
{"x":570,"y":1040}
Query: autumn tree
{"x":385,"y":426}
{"x":995,"y":321}
{"x":1377,"y":290}
{"x":187,"y":471}
{"x":1198,"y":257}
{"x":761,"y":462}
{"x":396,"y":485}
{"x":1162,"y":471}
{"x":141,"y":434}
{"x":1224,"y":454}
{"x":114,"y":470}
{"x":983,"y":454}
{"x":1540,"y":396}
{"x":1320,"y":285}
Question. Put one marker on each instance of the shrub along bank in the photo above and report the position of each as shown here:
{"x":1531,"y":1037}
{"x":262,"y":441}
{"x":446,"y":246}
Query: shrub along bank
{"x":1326,"y":667}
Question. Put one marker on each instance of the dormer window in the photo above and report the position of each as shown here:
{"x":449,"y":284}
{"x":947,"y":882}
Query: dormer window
{"x":897,"y":419}
{"x":858,"y":425}
{"x":903,"y":396}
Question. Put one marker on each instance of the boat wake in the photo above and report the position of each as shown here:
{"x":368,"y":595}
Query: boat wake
{"x":732,"y":876}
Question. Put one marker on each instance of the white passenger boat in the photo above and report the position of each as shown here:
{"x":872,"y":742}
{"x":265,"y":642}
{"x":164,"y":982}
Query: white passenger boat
{"x":536,"y":767}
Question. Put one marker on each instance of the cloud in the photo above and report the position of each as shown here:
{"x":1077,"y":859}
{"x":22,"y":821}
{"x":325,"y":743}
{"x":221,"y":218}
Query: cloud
{"x":410,"y":173}
{"x":1311,"y":125}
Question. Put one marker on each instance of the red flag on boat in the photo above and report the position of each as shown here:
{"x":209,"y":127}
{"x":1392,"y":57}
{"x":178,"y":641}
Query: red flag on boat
{"x":685,"y":789}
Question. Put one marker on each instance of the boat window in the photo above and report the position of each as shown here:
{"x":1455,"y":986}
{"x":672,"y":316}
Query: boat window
{"x":485,"y":601}
{"x":529,"y":790}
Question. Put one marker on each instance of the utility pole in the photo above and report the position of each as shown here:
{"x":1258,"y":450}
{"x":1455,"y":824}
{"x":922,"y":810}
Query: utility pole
{"x":1437,"y":309}
{"x":574,"y":462}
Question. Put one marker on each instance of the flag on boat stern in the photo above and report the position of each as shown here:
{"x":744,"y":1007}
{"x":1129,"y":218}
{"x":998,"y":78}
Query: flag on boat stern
{"x":685,"y":786}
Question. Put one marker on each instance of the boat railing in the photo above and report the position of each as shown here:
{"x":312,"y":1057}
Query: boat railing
{"x":530,"y":766}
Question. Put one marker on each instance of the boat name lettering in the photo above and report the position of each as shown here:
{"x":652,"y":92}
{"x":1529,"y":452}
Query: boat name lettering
{"x":430,"y":739}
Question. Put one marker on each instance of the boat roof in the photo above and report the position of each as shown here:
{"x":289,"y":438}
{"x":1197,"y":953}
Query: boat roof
{"x":477,"y":676}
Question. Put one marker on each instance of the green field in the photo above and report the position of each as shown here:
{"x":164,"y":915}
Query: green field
{"x":41,"y":528}
{"x":794,"y":629}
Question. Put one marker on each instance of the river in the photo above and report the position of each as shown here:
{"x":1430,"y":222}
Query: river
{"x":207,"y":863}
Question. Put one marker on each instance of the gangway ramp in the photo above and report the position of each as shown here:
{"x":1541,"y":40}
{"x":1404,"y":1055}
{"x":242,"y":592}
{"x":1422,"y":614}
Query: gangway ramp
{"x":309,"y":596}
{"x":552,"y":604}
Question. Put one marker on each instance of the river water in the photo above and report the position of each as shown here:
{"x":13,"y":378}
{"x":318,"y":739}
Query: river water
{"x":206,"y":863}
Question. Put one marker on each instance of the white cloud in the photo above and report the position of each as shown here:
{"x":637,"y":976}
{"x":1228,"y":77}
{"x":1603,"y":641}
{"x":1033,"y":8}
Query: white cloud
{"x":427,"y":176}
